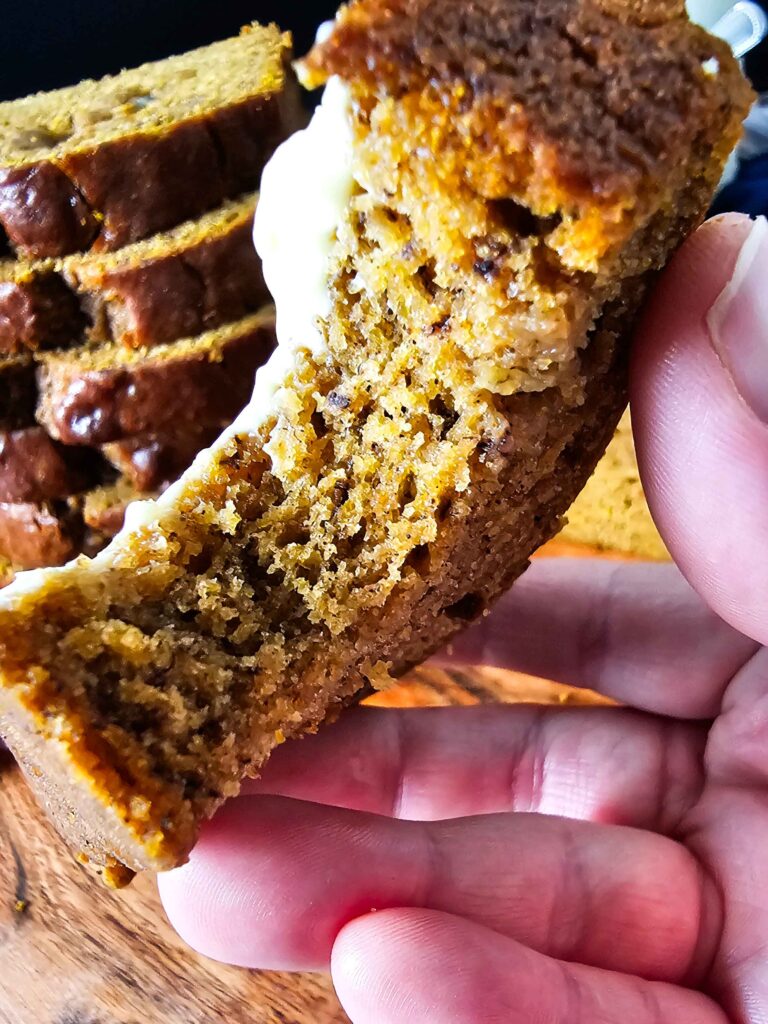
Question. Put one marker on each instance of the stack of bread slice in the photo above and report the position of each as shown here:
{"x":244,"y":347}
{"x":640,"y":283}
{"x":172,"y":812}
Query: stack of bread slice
{"x":133,"y":310}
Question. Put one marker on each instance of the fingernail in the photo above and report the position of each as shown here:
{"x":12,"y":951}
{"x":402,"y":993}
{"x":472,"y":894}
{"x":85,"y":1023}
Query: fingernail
{"x":738,"y":321}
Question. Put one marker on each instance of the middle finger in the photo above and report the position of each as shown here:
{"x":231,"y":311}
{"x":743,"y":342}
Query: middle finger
{"x":601,"y":764}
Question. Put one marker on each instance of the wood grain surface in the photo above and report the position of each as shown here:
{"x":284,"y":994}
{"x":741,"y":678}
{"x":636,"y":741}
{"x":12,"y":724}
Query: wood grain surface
{"x":73,"y":952}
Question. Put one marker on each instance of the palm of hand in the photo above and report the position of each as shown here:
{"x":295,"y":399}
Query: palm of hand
{"x":637,"y":890}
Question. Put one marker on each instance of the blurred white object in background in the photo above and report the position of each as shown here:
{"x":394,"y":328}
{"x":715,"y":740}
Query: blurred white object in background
{"x":707,"y":12}
{"x":742,"y":25}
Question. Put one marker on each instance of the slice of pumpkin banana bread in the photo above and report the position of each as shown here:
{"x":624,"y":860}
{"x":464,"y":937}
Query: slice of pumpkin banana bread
{"x":104,"y":507}
{"x":34,"y":467}
{"x":18,"y":392}
{"x":97,"y":395}
{"x":457,"y":247}
{"x":611,"y":513}
{"x":37,"y":309}
{"x":102,"y":164}
{"x":176,"y":284}
{"x":152,"y":461}
{"x":39,"y":534}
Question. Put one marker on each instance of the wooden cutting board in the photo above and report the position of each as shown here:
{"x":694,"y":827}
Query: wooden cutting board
{"x":73,"y":952}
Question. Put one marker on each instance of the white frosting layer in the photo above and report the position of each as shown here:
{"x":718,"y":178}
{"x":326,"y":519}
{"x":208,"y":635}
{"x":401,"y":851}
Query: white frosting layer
{"x":305,"y":188}
{"x":304,"y":191}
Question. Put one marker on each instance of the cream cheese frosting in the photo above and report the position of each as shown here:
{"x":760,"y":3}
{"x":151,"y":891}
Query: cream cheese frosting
{"x":305,"y":188}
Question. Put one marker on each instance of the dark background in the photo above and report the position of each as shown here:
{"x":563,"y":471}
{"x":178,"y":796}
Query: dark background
{"x":46,"y":43}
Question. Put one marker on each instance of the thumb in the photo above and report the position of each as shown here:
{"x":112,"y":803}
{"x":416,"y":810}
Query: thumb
{"x":700,"y":412}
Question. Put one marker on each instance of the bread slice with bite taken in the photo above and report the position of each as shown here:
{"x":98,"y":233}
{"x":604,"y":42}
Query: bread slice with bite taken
{"x":457,"y":246}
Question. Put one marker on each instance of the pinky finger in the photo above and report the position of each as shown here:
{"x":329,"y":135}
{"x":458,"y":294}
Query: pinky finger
{"x":408,"y":966}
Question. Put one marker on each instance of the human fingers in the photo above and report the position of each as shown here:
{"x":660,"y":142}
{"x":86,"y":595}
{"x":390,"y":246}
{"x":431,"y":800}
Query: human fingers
{"x":700,"y":412}
{"x":634,"y":631}
{"x":272,"y":882}
{"x":603,"y":764}
{"x":728,"y":831}
{"x":407,"y":966}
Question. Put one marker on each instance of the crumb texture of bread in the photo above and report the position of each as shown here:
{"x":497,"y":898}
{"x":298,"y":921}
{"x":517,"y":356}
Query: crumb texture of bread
{"x":517,"y":182}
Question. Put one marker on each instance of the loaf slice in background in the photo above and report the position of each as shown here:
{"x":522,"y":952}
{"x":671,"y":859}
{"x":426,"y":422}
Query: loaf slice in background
{"x":37,"y":309}
{"x":104,"y":507}
{"x":72,"y":419}
{"x":33,"y":467}
{"x":38,"y":534}
{"x":129,"y":204}
{"x":151,"y":461}
{"x":18,"y":391}
{"x":611,"y":513}
{"x":179,"y":283}
{"x":95,"y":396}
{"x":105,"y":163}
{"x":495,"y":184}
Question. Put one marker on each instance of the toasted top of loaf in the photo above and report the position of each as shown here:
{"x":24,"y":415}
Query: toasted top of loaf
{"x":597,"y":100}
{"x":143,"y":100}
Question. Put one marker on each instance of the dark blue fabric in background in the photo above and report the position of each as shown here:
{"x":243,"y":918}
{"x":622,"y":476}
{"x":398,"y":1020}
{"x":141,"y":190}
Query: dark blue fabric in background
{"x":749,"y":192}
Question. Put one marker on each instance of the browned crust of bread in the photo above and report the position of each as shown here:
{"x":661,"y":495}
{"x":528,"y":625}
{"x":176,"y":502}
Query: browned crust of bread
{"x":168,"y":389}
{"x":34,"y":467}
